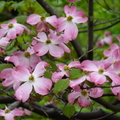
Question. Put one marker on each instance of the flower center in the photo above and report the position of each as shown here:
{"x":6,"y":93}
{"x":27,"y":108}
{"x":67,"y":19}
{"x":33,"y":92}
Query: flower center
{"x":69,"y":18}
{"x":100,"y":71}
{"x":27,"y":55}
{"x":31,"y":78}
{"x":7,"y":111}
{"x":48,"y":41}
{"x":10,"y":25}
{"x":84,"y":93}
{"x":42,"y":18}
{"x":66,"y":68}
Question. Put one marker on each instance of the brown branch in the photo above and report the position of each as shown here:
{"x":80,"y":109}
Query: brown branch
{"x":51,"y":111}
{"x":107,"y":104}
{"x":47,"y":7}
{"x":90,"y":29}
{"x":102,"y":28}
{"x":95,"y":24}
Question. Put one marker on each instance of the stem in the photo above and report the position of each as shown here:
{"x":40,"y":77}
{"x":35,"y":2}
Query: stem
{"x":90,"y":29}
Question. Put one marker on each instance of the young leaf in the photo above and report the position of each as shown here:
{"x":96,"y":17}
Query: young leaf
{"x":48,"y":74}
{"x":2,"y":4}
{"x":4,"y":65}
{"x":75,"y":73}
{"x":69,"y":110}
{"x":61,"y":85}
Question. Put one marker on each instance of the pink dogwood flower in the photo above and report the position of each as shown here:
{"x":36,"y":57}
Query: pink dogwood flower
{"x":28,"y":58}
{"x":10,"y":114}
{"x":41,"y":21}
{"x":63,"y":70}
{"x":83,"y":95}
{"x":12,"y":29}
{"x":68,"y":23}
{"x":98,"y":72}
{"x":31,"y":80}
{"x":49,"y":44}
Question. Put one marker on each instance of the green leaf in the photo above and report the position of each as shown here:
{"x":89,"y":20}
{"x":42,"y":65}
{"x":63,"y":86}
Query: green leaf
{"x":5,"y":65}
{"x":69,"y":110}
{"x":75,"y":73}
{"x":2,"y":4}
{"x":52,"y":67}
{"x":48,"y":74}
{"x":61,"y":85}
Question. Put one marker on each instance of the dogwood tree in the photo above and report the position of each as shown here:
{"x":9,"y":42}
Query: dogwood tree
{"x":45,"y":73}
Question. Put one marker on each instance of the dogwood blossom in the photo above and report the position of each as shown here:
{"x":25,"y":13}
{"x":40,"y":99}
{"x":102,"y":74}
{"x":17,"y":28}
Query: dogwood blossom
{"x":49,"y":44}
{"x":98,"y":72}
{"x":31,"y":80}
{"x":12,"y":29}
{"x":63,"y":70}
{"x":41,"y":21}
{"x":83,"y":95}
{"x":27,"y":58}
{"x":68,"y":23}
{"x":10,"y":114}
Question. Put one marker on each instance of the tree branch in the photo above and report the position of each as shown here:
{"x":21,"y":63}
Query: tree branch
{"x":102,"y":28}
{"x":90,"y":28}
{"x":51,"y":111}
{"x":95,"y":24}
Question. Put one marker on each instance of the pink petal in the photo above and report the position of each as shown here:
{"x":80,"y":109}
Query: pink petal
{"x":97,"y":78}
{"x":88,"y":65}
{"x":33,"y":19}
{"x":72,"y":96}
{"x":42,"y":85}
{"x":83,"y":101}
{"x":56,"y":51}
{"x":42,"y":37}
{"x":71,"y":31}
{"x":70,"y":10}
{"x":41,"y":49}
{"x":23,"y":92}
{"x":65,"y":48}
{"x":75,"y":64}
{"x":78,"y":81}
{"x":21,"y":73}
{"x":96,"y":92}
{"x":18,"y":112}
{"x":40,"y":68}
{"x":57,"y":76}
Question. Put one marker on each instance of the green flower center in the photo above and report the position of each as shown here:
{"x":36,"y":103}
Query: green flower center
{"x":100,"y":71}
{"x":66,"y":68}
{"x":7,"y":111}
{"x":69,"y":18}
{"x":84,"y":93}
{"x":42,"y":18}
{"x":31,"y":78}
{"x":48,"y":41}
{"x":10,"y":25}
{"x":27,"y":55}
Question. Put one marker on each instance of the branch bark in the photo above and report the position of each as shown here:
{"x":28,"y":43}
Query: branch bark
{"x":51,"y":111}
{"x":90,"y":29}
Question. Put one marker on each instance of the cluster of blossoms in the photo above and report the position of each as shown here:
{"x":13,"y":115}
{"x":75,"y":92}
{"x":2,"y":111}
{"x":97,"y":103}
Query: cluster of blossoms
{"x":27,"y":75}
